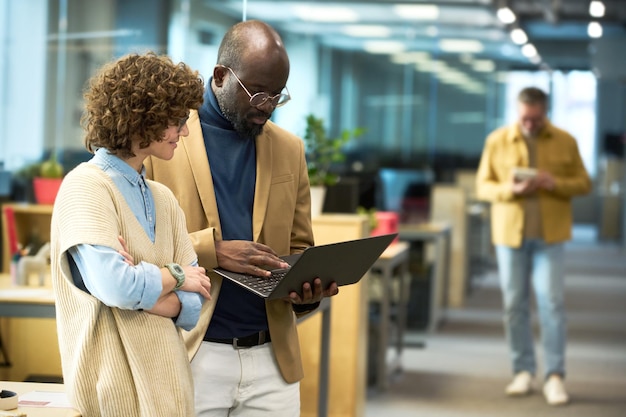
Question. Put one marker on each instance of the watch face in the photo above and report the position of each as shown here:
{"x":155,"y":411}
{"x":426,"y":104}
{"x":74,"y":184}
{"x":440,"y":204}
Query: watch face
{"x":178,"y":269}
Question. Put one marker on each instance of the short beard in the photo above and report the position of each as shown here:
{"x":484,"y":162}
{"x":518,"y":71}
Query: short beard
{"x":240,"y":124}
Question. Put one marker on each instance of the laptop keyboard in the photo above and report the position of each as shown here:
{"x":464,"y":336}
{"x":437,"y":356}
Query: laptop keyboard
{"x":263,"y":285}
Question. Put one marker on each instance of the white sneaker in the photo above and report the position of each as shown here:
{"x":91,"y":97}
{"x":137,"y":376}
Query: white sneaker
{"x":554,"y":391}
{"x":521,"y":384}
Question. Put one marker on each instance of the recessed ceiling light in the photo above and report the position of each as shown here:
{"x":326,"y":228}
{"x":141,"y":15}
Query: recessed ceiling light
{"x":461,"y":45}
{"x":529,"y":50}
{"x":594,"y":30}
{"x":453,"y":77}
{"x":325,"y":13}
{"x":483,"y":65}
{"x":410,"y":57}
{"x":417,"y":11}
{"x":596,"y":8}
{"x":383,"y":47}
{"x":519,"y":36}
{"x":506,"y":15}
{"x":434,"y":66}
{"x":367,"y":31}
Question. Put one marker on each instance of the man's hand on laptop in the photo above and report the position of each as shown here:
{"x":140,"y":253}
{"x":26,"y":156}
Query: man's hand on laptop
{"x":247,"y":257}
{"x":313,"y":293}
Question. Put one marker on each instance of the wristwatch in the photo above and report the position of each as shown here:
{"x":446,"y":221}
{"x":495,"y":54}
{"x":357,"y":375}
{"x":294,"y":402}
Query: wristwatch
{"x":178,"y":273}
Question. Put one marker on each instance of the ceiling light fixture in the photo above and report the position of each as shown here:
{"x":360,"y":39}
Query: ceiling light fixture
{"x":461,"y":46}
{"x":325,"y":14}
{"x":383,"y":47}
{"x":594,"y":30}
{"x":518,"y":36}
{"x":411,"y":57}
{"x":596,"y":8}
{"x":529,"y":50}
{"x":434,"y":66}
{"x":417,"y":11}
{"x":367,"y":31}
{"x":506,"y":15}
{"x":483,"y":65}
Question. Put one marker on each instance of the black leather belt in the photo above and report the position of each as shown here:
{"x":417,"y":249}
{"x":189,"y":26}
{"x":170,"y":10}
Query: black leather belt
{"x":255,"y":339}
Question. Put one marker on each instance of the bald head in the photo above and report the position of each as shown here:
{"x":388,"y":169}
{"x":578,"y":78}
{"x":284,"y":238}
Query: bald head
{"x":250,"y":43}
{"x":251,"y":60}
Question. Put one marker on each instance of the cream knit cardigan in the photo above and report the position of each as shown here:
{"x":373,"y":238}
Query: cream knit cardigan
{"x":118,"y":362}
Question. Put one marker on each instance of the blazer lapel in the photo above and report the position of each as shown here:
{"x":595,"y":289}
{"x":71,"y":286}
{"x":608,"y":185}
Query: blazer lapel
{"x":201,"y":171}
{"x":263,"y":182}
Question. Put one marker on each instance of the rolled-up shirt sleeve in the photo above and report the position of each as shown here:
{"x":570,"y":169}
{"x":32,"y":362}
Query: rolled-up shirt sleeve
{"x":114,"y":282}
{"x":190,"y":306}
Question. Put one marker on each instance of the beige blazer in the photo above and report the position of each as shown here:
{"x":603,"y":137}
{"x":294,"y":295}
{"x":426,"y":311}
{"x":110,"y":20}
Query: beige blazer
{"x":281,"y":220}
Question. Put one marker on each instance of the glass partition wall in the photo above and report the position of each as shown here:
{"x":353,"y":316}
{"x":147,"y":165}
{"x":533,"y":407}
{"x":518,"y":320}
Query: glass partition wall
{"x":421,"y":110}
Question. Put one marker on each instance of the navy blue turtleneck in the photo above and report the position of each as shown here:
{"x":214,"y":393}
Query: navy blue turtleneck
{"x":233,"y":167}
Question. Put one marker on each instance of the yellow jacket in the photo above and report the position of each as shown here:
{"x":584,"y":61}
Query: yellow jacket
{"x":281,"y":219}
{"x":557,"y":153}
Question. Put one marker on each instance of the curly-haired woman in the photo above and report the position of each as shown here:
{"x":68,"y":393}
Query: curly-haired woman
{"x":125,"y":274}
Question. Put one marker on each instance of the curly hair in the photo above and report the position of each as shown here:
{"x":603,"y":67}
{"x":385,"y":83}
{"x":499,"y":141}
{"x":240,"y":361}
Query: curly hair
{"x":136,"y":98}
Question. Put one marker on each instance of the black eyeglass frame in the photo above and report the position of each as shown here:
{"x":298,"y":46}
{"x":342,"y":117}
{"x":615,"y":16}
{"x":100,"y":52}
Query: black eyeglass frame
{"x":182,"y":122}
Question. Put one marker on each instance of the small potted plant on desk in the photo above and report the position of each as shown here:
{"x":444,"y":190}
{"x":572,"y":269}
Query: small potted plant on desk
{"x":321,"y":152}
{"x":48,"y":181}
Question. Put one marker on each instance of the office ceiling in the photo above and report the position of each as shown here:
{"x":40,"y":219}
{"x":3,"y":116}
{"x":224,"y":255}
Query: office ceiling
{"x":557,"y":28}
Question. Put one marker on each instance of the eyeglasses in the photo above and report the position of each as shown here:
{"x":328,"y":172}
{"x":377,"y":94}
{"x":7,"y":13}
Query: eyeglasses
{"x":182,"y":123}
{"x":259,"y":99}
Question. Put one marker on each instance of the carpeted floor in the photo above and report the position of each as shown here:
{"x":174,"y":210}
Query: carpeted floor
{"x":464,"y":366}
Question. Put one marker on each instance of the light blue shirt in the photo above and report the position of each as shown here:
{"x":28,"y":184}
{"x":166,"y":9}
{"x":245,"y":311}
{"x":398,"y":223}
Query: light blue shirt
{"x":103,"y":271}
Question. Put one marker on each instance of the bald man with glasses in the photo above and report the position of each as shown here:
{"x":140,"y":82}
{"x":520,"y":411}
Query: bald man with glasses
{"x":242,"y":182}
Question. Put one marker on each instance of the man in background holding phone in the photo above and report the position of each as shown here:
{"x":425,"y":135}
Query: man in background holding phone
{"x":529,"y":171}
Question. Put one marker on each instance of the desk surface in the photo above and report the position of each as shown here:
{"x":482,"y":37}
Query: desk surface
{"x":25,"y":301}
{"x":24,"y":387}
{"x":426,"y":229}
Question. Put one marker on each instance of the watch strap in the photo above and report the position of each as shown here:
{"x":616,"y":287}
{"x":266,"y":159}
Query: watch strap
{"x":178,"y":273}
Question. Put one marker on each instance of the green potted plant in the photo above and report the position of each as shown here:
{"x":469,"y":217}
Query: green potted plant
{"x":321,"y":152}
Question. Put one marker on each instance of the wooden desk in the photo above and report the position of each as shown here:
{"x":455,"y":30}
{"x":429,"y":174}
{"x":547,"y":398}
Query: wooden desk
{"x":396,"y":256}
{"x":25,"y":387}
{"x":28,"y":333}
{"x":21,"y":301}
{"x":347,"y":377}
{"x":439,"y":234}
{"x":30,"y":219}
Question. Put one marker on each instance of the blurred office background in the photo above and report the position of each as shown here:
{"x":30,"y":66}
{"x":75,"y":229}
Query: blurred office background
{"x":428,"y":80}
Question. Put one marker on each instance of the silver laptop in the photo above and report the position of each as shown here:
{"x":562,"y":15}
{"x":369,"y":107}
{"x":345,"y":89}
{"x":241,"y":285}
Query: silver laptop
{"x":344,"y":263}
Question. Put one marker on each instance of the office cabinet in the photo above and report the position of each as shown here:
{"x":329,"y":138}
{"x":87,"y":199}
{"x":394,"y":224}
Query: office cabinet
{"x":32,"y":226}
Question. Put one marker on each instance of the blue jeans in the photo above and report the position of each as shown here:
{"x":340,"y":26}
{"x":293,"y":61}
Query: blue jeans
{"x":541,"y":265}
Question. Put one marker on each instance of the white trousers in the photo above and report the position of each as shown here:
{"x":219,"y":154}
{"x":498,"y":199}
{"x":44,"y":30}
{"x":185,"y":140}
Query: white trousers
{"x":241,"y":383}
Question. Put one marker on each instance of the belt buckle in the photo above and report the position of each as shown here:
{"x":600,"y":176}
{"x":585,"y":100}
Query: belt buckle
{"x":261,"y":339}
{"x":236,"y":344}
